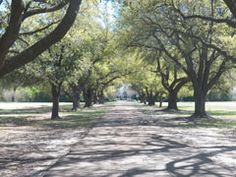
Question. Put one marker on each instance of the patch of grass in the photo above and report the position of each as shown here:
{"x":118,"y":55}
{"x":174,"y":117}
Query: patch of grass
{"x":31,"y":117}
{"x":39,"y":110}
{"x":79,"y":119}
{"x":215,"y":123}
{"x":185,"y":108}
{"x":222,"y":113}
{"x":14,"y":120}
{"x":25,"y":111}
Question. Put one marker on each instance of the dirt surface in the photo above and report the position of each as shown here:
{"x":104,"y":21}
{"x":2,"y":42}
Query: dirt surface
{"x":25,"y":151}
{"x":125,"y":142}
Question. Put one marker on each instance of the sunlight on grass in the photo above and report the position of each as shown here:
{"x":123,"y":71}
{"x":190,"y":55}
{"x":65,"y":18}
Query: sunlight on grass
{"x":224,"y":114}
{"x":212,"y":124}
{"x":80,"y":119}
{"x":215,"y":109}
{"x":39,"y":116}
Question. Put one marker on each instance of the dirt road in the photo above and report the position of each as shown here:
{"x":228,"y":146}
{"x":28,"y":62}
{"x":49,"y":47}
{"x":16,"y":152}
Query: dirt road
{"x":126,"y":142}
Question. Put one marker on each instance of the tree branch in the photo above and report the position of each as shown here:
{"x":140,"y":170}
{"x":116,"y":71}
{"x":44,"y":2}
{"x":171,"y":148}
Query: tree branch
{"x":231,"y":4}
{"x":45,"y":10}
{"x":12,"y":31}
{"x":40,"y":29}
{"x":35,"y":50}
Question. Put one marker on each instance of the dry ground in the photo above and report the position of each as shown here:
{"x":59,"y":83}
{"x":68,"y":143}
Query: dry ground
{"x":129,"y":140}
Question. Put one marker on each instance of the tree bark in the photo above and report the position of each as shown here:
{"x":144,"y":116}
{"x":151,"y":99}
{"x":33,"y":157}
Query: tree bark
{"x":231,"y":4}
{"x":172,"y":101}
{"x":12,"y":31}
{"x":88,"y":97}
{"x":161,"y":101}
{"x":151,"y":102}
{"x":13,"y":98}
{"x":151,"y":98}
{"x":101,"y":98}
{"x":200,"y":104}
{"x":36,"y":49}
{"x":55,"y":101}
{"x":76,"y":98}
{"x":95,"y":98}
{"x":142,"y":97}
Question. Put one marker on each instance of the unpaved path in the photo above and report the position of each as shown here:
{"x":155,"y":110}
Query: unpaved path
{"x":25,"y":151}
{"x":126,"y":142}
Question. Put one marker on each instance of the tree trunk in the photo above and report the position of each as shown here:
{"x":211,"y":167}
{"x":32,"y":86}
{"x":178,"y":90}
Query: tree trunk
{"x":172,"y":101}
{"x":55,"y":101}
{"x":101,"y":98}
{"x":145,"y":101}
{"x":95,"y":98}
{"x":231,"y":4}
{"x":88,"y":98}
{"x":151,"y":102}
{"x":161,"y":101}
{"x":142,"y":98}
{"x":151,"y":99}
{"x":13,"y":98}
{"x":200,"y":104}
{"x":76,"y":98}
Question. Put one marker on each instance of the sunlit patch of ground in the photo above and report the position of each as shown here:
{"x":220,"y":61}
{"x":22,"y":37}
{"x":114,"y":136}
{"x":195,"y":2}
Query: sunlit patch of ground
{"x":116,"y":139}
{"x":30,"y":141}
{"x":222,"y":110}
{"x":136,"y":140}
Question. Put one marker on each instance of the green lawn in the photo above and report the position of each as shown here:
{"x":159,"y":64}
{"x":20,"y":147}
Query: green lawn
{"x":38,"y":115}
{"x":215,"y":123}
{"x":215,"y":109}
{"x":224,"y":112}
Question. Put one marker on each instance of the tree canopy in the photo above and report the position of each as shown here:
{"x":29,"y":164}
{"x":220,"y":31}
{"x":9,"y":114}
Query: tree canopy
{"x":84,"y":48}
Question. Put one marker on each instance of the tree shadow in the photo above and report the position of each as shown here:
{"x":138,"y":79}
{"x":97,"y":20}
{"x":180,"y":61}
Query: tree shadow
{"x":14,"y":121}
{"x":39,"y":110}
{"x":194,"y":165}
{"x":79,"y":120}
{"x":33,"y":117}
{"x":91,"y":157}
{"x":105,"y":153}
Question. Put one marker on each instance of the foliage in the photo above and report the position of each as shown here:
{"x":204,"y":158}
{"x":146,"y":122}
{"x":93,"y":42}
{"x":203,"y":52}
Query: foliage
{"x":22,"y":24}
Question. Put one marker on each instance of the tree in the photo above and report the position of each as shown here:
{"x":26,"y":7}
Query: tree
{"x":231,"y":4}
{"x":188,"y":44}
{"x":143,"y":79}
{"x":20,"y":12}
{"x":22,"y":77}
{"x":217,"y":13}
{"x":54,"y":67}
{"x":172,"y":78}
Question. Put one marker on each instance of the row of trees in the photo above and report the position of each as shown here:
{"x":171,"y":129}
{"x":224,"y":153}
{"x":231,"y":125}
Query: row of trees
{"x":184,"y":47}
{"x":171,"y":45}
{"x":82,"y":63}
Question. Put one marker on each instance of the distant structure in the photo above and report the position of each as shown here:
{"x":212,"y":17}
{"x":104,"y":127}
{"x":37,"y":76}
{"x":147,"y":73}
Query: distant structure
{"x":125,"y":92}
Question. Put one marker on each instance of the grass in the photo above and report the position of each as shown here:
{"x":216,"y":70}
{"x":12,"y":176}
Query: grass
{"x":214,"y":113}
{"x":40,"y":117}
{"x":215,"y":109}
{"x":79,"y":119}
{"x":14,"y":120}
{"x":25,"y":111}
{"x":224,"y":114}
{"x":215,"y":123}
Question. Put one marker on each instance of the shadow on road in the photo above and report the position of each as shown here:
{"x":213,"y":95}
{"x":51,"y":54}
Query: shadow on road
{"x":127,"y":143}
